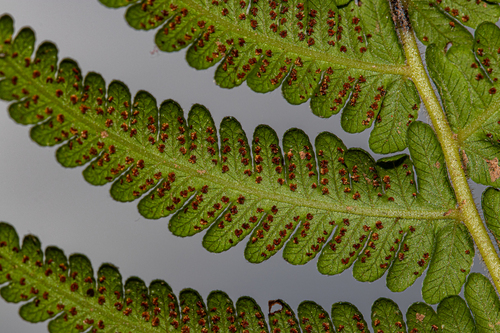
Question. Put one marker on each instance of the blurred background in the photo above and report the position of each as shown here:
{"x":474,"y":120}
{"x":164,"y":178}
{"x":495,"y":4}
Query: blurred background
{"x":38,"y":196}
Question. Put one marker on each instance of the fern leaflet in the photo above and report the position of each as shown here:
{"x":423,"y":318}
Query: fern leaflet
{"x":467,"y":81}
{"x":490,"y":202}
{"x":67,"y":293}
{"x":315,"y":49}
{"x":442,"y":22}
{"x":333,"y":201}
{"x":340,"y":57}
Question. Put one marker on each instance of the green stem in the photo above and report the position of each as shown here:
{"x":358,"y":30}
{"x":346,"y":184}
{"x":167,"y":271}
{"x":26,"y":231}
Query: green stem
{"x":468,"y":210}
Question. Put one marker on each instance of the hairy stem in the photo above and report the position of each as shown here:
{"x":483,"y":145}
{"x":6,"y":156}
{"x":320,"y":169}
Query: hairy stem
{"x":468,"y":210}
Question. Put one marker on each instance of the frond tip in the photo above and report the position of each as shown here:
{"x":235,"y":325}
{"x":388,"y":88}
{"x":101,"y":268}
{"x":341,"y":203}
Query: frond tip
{"x":69,"y":295}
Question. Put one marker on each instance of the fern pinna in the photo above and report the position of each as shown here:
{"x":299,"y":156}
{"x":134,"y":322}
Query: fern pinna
{"x":340,"y":58}
{"x":467,"y":80}
{"x":324,"y":199}
{"x":68,"y":293}
{"x":339,"y":54}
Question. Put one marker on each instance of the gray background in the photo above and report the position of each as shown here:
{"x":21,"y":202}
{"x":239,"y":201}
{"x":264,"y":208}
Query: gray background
{"x":39,"y":196}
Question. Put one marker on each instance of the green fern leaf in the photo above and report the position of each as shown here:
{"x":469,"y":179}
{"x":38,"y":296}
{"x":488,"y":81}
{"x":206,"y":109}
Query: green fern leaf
{"x":422,"y":318}
{"x":490,"y":203}
{"x":338,"y":55}
{"x":313,"y":318}
{"x":334,"y":53}
{"x":283,"y":319}
{"x":451,"y":251}
{"x":346,"y":207}
{"x":483,"y":303}
{"x":468,"y":87}
{"x":435,"y":22}
{"x":346,"y":316}
{"x":387,"y":317}
{"x":442,"y":22}
{"x":455,"y":316}
{"x":250,"y":315}
{"x":72,"y":298}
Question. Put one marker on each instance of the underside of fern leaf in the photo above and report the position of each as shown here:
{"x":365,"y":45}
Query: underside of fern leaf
{"x":442,"y":22}
{"x":337,"y":54}
{"x":69,"y":295}
{"x":311,"y":199}
{"x":467,"y":79}
{"x":490,"y":202}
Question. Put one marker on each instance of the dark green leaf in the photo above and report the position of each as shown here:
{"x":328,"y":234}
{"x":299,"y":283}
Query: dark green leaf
{"x":313,"y":318}
{"x":387,"y":317}
{"x":347,"y":318}
{"x":454,"y":253}
{"x":420,"y":317}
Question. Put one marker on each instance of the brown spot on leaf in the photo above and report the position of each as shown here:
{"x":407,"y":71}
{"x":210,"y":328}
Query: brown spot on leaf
{"x":448,"y":212}
{"x":465,"y":160}
{"x":493,"y":169}
{"x":420,"y":317}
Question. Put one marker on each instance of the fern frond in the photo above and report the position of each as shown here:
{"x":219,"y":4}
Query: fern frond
{"x":323,"y":199}
{"x":74,"y":299}
{"x":338,"y":55}
{"x":467,"y":80}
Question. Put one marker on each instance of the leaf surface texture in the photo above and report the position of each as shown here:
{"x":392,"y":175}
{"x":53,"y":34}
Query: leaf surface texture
{"x":467,"y":80}
{"x":72,"y":298}
{"x":339,"y":54}
{"x":312,"y":200}
{"x":336,"y":54}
